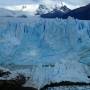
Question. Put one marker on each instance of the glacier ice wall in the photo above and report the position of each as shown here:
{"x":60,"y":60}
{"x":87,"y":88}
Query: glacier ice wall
{"x":29,"y":41}
{"x":46,"y":50}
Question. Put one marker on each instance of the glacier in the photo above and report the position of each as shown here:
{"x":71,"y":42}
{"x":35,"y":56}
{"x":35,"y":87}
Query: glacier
{"x":38,"y":40}
{"x":50,"y":49}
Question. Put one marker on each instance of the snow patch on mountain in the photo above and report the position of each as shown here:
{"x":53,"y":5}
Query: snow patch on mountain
{"x":6,"y":12}
{"x":29,"y":8}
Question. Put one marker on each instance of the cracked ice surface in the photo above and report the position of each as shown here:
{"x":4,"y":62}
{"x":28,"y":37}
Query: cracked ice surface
{"x":36,"y":41}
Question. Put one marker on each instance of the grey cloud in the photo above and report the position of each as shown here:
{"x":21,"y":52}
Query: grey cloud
{"x":14,"y":2}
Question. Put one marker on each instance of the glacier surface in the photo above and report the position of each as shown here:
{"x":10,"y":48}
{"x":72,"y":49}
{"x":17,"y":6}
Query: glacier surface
{"x":54,"y":48}
{"x":33,"y":41}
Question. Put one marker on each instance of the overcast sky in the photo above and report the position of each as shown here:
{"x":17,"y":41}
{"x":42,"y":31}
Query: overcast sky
{"x":17,"y":2}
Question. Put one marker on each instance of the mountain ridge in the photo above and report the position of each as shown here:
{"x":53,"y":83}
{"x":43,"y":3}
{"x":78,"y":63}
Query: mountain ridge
{"x":82,"y":13}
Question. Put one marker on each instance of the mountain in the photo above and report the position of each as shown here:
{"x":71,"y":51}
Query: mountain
{"x":42,"y":9}
{"x":31,"y":10}
{"x":11,"y":13}
{"x":46,"y":12}
{"x":22,"y":11}
{"x":65,"y":9}
{"x":57,"y":12}
{"x":6,"y":13}
{"x":28,"y":9}
{"x":19,"y":10}
{"x":82,"y":13}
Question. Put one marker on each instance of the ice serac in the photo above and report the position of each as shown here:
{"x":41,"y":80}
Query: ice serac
{"x":56,"y":73}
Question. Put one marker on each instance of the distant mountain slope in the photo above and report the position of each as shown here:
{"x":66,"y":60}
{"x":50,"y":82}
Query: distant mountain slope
{"x":82,"y":13}
{"x":6,"y":12}
{"x":29,"y":10}
{"x":57,"y":12}
{"x":64,"y":12}
{"x":42,"y":9}
{"x":11,"y":13}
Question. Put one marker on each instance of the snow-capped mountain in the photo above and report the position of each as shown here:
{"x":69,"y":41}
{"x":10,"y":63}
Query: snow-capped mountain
{"x":27,"y":9}
{"x":42,"y":9}
{"x":56,"y":12}
{"x":65,"y":9}
{"x":36,"y":9}
{"x":6,"y":13}
{"x":11,"y":13}
{"x":64,"y":12}
{"x":18,"y":11}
